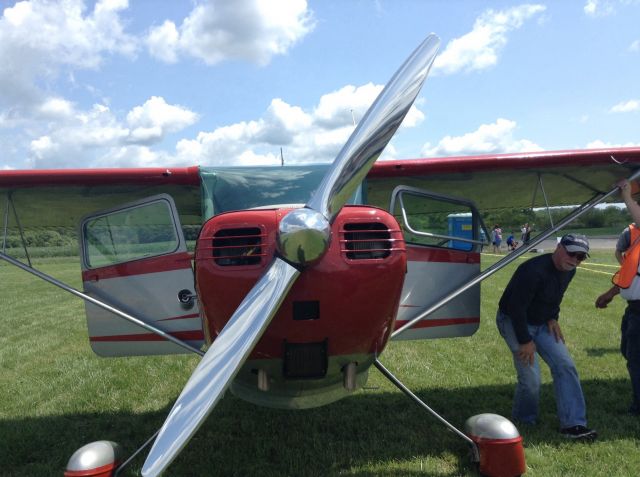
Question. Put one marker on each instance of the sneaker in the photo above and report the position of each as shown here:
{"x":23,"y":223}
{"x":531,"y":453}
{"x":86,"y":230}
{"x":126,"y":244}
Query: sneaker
{"x":579,"y":432}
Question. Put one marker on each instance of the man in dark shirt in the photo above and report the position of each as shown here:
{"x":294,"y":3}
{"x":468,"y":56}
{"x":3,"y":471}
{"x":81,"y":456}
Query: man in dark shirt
{"x":527,"y":319}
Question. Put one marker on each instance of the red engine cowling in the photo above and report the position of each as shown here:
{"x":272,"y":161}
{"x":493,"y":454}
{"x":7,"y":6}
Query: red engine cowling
{"x":344,"y":305}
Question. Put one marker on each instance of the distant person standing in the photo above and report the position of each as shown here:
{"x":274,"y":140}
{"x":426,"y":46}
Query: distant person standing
{"x":527,"y":319}
{"x":497,"y":238}
{"x":527,"y":234}
{"x":523,"y":232}
{"x":627,"y":284}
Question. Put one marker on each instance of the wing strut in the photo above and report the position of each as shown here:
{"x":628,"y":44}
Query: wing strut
{"x":546,"y":201}
{"x":597,"y":199}
{"x":6,"y":227}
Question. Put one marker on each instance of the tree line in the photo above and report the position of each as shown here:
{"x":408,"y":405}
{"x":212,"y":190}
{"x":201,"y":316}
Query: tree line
{"x":510,"y":220}
{"x":63,"y":236}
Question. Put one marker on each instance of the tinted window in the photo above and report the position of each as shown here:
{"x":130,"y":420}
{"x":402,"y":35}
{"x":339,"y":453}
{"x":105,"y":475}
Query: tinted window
{"x":130,"y":234}
{"x":435,"y":222}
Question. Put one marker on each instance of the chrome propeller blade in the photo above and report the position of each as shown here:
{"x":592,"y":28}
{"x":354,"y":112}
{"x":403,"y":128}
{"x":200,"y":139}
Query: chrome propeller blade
{"x":220,"y":364}
{"x":374,"y":131}
{"x":303,"y":236}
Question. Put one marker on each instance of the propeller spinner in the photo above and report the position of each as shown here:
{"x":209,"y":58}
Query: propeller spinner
{"x":303,"y":237}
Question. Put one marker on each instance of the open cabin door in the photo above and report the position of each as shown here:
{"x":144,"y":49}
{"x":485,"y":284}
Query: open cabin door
{"x":134,"y":257}
{"x":444,"y":238}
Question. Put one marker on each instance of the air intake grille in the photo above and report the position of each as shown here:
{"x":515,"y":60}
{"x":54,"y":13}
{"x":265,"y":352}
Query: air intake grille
{"x":368,"y":240}
{"x":305,"y":360}
{"x":235,"y":247}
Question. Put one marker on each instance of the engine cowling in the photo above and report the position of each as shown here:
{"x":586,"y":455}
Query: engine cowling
{"x":340,"y":311}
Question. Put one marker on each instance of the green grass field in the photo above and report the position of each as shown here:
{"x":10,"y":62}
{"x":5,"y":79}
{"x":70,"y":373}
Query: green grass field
{"x":55,"y":396}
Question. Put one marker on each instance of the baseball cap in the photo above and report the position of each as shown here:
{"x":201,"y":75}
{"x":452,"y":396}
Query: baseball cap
{"x":575,"y":243}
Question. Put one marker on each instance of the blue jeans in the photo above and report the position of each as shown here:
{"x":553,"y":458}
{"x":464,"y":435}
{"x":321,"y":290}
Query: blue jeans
{"x":630,"y":347}
{"x":566,"y":382}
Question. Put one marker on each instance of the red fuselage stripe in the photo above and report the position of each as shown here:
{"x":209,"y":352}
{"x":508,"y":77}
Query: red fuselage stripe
{"x":163,"y":263}
{"x":183,"y":317}
{"x":195,"y":335}
{"x":439,"y":322}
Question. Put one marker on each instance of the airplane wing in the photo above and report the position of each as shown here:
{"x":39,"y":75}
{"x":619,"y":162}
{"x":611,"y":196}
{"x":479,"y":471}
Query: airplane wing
{"x":48,"y":198}
{"x":524,"y":180}
{"x":59,"y":198}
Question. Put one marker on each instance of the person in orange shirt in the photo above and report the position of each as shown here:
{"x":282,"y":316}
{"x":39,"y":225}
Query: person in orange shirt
{"x":627,"y":285}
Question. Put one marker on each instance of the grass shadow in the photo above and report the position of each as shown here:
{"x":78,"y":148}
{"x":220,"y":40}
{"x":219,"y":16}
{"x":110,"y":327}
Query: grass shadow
{"x":349,"y":437}
{"x":599,"y":352}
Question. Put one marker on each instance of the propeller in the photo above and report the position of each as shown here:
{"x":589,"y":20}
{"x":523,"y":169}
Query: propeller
{"x":303,"y":237}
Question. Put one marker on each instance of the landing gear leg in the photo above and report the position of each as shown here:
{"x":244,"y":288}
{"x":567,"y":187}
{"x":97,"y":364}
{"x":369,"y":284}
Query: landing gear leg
{"x":475,"y":453}
{"x":496,"y":445}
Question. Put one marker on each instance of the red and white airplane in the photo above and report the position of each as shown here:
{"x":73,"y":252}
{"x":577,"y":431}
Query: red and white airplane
{"x":295,"y":302}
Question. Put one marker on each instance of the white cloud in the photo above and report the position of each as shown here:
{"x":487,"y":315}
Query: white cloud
{"x":390,"y":152}
{"x":155,"y":118}
{"x":590,"y":7}
{"x":598,"y":144}
{"x":634,"y":46}
{"x":350,"y":103}
{"x":336,"y":108}
{"x":94,"y":137}
{"x":596,"y":8}
{"x":479,"y":48}
{"x":163,"y":42}
{"x":228,"y":145}
{"x":54,"y":108}
{"x":281,"y":122}
{"x":133,"y":156}
{"x":251,"y":30}
{"x":42,"y":147}
{"x":38,"y":38}
{"x":98,"y":138}
{"x":312,"y":136}
{"x":602,"y":8}
{"x":493,"y":138}
{"x":626,"y":106}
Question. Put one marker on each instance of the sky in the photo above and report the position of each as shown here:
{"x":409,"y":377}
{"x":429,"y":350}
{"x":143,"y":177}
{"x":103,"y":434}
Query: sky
{"x":140,"y":83}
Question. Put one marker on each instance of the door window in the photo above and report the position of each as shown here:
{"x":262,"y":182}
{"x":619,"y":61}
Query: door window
{"x":437,"y":220}
{"x":130,"y":234}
